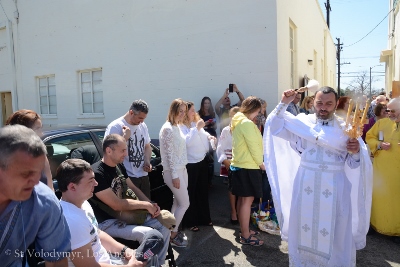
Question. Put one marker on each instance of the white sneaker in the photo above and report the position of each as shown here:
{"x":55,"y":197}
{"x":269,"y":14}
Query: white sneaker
{"x":179,"y":242}
{"x":182,"y":235}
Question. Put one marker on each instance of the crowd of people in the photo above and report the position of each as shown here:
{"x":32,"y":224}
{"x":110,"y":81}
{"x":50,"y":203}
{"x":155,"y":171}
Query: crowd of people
{"x":322,"y":201}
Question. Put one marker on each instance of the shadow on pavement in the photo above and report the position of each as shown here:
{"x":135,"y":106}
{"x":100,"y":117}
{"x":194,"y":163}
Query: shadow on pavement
{"x":219,"y":245}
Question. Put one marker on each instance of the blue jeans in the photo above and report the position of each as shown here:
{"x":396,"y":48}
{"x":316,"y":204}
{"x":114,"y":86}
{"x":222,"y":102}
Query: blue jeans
{"x":115,"y":228}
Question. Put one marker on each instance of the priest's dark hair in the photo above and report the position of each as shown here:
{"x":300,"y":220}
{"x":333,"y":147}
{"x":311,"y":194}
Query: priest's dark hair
{"x":328,"y":90}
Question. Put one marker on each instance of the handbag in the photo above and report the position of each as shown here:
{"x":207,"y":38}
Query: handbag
{"x":121,"y":189}
{"x":209,"y":157}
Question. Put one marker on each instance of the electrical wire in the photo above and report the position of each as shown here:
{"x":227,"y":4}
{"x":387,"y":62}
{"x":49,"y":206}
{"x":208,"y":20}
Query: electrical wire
{"x":372,"y":29}
{"x":359,"y":57}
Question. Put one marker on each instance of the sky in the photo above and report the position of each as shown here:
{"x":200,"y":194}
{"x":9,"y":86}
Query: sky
{"x":351,"y":20}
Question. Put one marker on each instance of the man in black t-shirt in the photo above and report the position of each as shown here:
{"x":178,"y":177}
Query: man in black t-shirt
{"x":105,"y":170}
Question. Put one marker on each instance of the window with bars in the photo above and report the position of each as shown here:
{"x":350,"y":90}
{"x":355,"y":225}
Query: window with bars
{"x":91,"y":91}
{"x":47,"y":95}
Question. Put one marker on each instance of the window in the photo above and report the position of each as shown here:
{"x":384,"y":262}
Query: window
{"x":100,"y":135}
{"x":60,"y":148}
{"x":47,"y":95}
{"x":292,"y":55}
{"x":92,"y":91}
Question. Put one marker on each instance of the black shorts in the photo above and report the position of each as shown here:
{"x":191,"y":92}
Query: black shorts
{"x":230,"y":181}
{"x":247,"y":183}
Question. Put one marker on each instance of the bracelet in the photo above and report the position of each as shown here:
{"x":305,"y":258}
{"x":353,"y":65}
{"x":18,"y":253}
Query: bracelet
{"x":123,"y":251}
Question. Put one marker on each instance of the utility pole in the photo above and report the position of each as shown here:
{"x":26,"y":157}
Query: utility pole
{"x":338,"y":50}
{"x":370,"y":80}
{"x":328,"y":10}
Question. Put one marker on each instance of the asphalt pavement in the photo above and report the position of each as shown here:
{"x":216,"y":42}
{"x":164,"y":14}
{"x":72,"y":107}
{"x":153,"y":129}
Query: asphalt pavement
{"x":218,"y":245}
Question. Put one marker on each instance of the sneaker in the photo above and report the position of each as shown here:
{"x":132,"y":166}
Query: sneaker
{"x":179,"y":242}
{"x":182,"y":235}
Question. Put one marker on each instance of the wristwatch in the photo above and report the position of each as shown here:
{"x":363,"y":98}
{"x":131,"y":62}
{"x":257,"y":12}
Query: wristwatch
{"x":123,"y":251}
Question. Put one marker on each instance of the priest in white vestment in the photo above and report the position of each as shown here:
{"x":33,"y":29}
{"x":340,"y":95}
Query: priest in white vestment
{"x":321,"y":182}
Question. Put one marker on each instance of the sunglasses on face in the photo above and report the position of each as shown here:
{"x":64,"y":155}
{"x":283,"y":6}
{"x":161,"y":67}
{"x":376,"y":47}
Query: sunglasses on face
{"x":390,"y":110}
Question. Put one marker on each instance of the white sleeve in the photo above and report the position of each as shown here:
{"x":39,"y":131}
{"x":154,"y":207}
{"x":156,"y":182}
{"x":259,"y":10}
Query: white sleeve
{"x":79,"y":227}
{"x":223,"y":144}
{"x":277,"y":127}
{"x":191,"y":134}
{"x":113,"y":128}
{"x":167,"y":143}
{"x":146,"y":135}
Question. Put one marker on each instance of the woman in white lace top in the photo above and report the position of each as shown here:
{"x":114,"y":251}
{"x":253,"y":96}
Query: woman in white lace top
{"x":174,"y":160}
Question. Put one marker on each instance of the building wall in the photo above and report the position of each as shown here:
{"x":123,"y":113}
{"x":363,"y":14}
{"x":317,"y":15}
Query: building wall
{"x":7,"y":71}
{"x":313,"y":42}
{"x":153,"y":50}
{"x":391,"y":55}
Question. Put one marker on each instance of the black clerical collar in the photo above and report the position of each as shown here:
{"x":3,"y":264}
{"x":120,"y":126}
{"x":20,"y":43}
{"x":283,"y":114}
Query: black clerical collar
{"x":328,"y":122}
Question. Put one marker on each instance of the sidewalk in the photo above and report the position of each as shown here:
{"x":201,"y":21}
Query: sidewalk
{"x":218,"y":245}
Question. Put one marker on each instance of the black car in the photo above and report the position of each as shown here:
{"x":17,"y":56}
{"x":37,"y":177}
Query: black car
{"x":61,"y":142}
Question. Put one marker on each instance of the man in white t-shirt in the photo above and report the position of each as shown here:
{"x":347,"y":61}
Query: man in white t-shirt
{"x":132,"y":127}
{"x":91,"y":246}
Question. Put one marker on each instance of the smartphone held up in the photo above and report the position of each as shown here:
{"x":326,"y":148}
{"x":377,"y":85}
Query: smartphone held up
{"x":231,"y":88}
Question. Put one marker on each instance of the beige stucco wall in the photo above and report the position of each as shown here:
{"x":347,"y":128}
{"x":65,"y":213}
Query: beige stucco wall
{"x":312,"y":34}
{"x":390,"y":56}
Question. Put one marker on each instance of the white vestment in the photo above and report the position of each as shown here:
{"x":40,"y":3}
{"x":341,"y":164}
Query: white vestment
{"x":322,"y":194}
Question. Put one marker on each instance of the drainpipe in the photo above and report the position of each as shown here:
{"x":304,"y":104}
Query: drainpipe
{"x":14,"y":91}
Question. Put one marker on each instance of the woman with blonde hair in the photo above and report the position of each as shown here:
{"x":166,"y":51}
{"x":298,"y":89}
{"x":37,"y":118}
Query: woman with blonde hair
{"x":197,"y":144}
{"x":174,"y":160}
{"x":307,"y":105}
{"x":31,"y":119}
{"x":246,"y":165}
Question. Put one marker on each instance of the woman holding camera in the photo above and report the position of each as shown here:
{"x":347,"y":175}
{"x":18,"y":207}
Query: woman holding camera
{"x":197,"y":145}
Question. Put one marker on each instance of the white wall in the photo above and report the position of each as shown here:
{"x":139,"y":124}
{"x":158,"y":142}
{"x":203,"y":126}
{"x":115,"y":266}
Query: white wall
{"x":153,"y":50}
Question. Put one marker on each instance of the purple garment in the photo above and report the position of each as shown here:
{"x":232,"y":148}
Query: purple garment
{"x":368,"y":126}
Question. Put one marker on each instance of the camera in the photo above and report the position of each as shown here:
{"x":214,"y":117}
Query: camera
{"x":231,"y":88}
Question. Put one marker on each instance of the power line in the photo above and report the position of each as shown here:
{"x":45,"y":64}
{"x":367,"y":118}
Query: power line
{"x":372,"y":29}
{"x":359,"y":76}
{"x":360,"y":57}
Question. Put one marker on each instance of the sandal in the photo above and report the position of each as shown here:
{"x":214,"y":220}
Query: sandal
{"x":252,"y":234}
{"x":194,"y":229}
{"x":252,"y":242}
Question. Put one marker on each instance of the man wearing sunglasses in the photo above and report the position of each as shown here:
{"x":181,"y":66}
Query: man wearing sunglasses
{"x":384,"y":142}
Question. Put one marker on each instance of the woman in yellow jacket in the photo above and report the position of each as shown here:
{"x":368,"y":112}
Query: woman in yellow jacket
{"x":246,"y":165}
